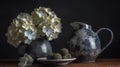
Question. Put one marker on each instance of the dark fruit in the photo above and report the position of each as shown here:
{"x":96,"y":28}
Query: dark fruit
{"x":50,"y":56}
{"x":57,"y":56}
{"x":64,"y":51}
{"x":64,"y":54}
{"x":64,"y":57}
{"x":69,"y":56}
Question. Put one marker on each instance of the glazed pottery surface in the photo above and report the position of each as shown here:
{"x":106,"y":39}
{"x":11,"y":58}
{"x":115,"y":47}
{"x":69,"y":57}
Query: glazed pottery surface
{"x":85,"y":44}
{"x":37,"y":49}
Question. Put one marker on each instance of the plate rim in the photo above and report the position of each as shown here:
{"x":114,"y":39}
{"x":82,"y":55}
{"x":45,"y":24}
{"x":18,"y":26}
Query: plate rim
{"x":56,"y":59}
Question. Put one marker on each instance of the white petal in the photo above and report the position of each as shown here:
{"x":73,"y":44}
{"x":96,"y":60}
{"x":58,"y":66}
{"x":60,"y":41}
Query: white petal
{"x":27,"y":33}
{"x":44,"y":29}
{"x":27,"y":41}
{"x":48,"y":31}
{"x":30,"y":37}
{"x":34,"y":35}
{"x":41,"y":13}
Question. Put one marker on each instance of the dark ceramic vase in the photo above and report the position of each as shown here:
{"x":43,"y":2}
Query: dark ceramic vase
{"x":37,"y":49}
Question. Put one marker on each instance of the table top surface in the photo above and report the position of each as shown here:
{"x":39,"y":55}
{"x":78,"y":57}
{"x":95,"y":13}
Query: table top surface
{"x":98,"y":63}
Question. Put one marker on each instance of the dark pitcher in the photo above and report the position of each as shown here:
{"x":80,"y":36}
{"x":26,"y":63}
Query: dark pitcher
{"x":85,"y":44}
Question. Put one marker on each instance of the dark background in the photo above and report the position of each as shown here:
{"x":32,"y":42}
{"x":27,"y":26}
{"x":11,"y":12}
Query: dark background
{"x":98,"y":13}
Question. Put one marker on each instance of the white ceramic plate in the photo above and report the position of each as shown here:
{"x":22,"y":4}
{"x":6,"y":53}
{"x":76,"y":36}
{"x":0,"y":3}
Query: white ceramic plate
{"x":55,"y":61}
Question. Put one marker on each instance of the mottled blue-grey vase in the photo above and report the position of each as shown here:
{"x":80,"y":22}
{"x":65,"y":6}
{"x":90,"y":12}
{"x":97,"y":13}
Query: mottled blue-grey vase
{"x":85,"y":44}
{"x":38,"y":48}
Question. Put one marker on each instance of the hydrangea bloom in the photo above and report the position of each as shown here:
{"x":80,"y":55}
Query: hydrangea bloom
{"x":26,"y":28}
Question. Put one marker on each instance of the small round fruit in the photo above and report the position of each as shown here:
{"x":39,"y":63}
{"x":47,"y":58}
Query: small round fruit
{"x":50,"y":56}
{"x":64,"y":57}
{"x":69,"y":56}
{"x":64,"y":51}
{"x":57,"y":56}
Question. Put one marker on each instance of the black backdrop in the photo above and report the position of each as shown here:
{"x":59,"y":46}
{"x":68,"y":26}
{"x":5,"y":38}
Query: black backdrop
{"x":98,"y":13}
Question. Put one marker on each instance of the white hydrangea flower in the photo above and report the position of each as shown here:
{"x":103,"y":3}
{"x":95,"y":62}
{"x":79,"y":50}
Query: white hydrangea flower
{"x":41,"y":14}
{"x":28,"y":27}
{"x":58,"y":28}
{"x":47,"y":30}
{"x":30,"y":35}
{"x":50,"y":33}
{"x":27,"y":41}
{"x":26,"y":60}
{"x":52,"y":36}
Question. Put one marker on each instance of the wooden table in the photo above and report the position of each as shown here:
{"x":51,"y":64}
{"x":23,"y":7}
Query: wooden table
{"x":98,"y":63}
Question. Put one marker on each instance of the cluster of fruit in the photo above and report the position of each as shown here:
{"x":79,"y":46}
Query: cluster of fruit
{"x":63,"y":54}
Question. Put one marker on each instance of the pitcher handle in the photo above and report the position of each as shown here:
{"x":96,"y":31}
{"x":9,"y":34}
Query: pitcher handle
{"x":110,"y":41}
